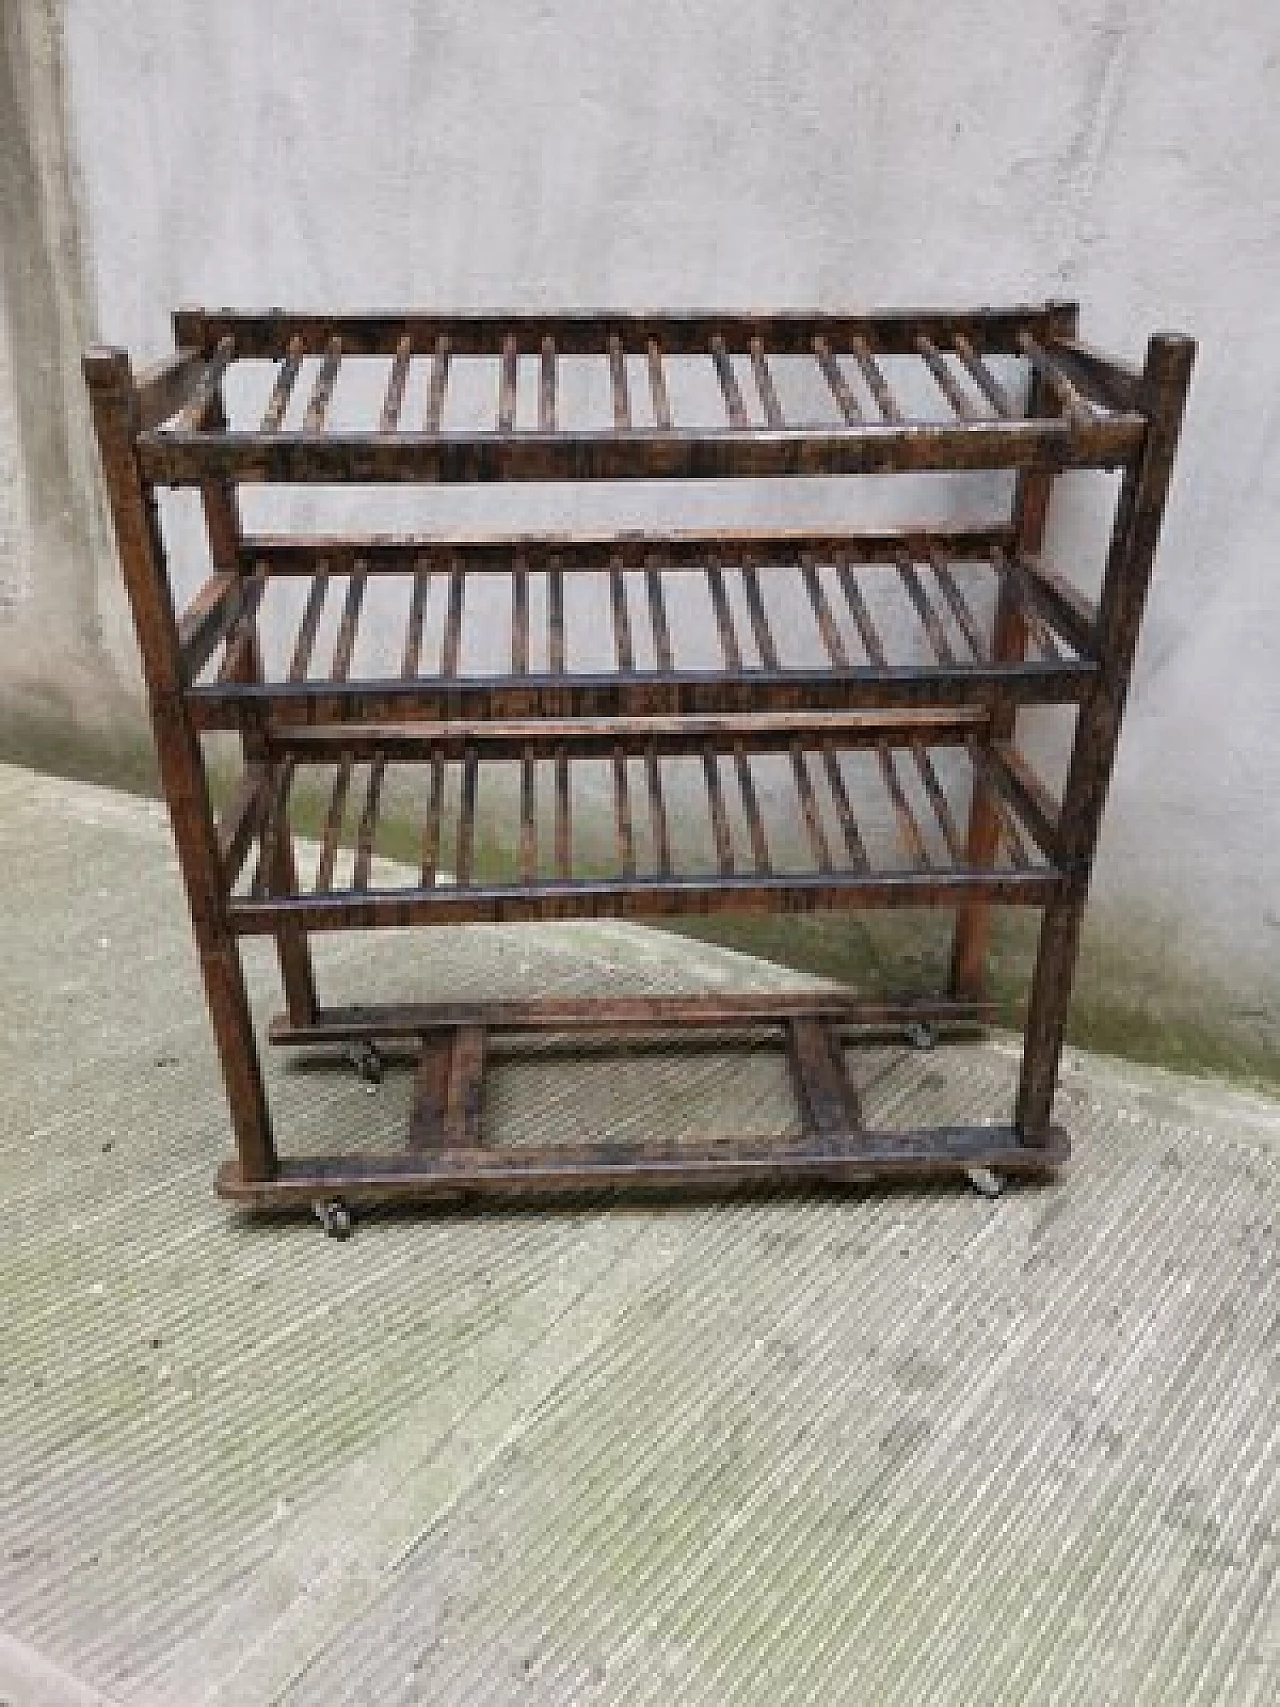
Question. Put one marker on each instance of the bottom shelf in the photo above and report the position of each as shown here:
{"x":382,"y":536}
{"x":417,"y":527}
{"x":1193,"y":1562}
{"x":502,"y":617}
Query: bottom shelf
{"x":447,"y":1159}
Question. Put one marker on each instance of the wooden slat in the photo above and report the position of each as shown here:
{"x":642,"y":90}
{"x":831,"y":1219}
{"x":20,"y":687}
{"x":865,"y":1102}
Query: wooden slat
{"x":368,"y":825}
{"x":719,"y":818}
{"x":191,"y":416}
{"x":734,"y":406}
{"x":938,"y":800}
{"x":867,"y":630}
{"x":658,"y":387}
{"x":466,"y":842}
{"x":547,"y":387}
{"x":764,"y":385}
{"x":618,"y":386}
{"x":344,"y":645}
{"x":844,"y":808}
{"x":413,"y":629}
{"x":809,"y":807}
{"x":305,"y":644}
{"x":528,"y":821}
{"x":240,"y":820}
{"x":909,"y":832}
{"x":431,"y":823}
{"x":282,"y":390}
{"x":1077,"y":409}
{"x":520,"y":619}
{"x":751,"y":808}
{"x":936,"y":363}
{"x":984,"y":379}
{"x":657,"y":814}
{"x":1012,"y":573}
{"x":840,"y":388}
{"x":1006,"y":812}
{"x":658,"y":620}
{"x":929,"y":618}
{"x":165,"y":386}
{"x":1028,"y":796}
{"x":333,"y":826}
{"x":724,"y":618}
{"x":1115,"y":384}
{"x":507,"y":384}
{"x":831,"y":637}
{"x":877,"y":384}
{"x":448,"y":1092}
{"x":827,"y":1100}
{"x":960,"y":609}
{"x":318,"y":404}
{"x":622,"y":815}
{"x":1073,"y":616}
{"x":451,"y":641}
{"x":208,"y":619}
{"x":564,"y":819}
{"x":265,"y":879}
{"x":438,"y":383}
{"x":393,"y":402}
{"x":621,"y":621}
{"x":759,"y":621}
{"x":555,"y":618}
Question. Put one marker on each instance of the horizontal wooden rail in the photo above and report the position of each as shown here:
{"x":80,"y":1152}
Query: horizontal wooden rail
{"x":640,"y":898}
{"x":287,"y":554}
{"x":188,"y":458}
{"x":222,"y":705}
{"x":265,"y":333}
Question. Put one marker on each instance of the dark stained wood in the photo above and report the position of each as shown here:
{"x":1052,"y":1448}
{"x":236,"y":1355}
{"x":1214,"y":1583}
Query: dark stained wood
{"x":282,"y":389}
{"x":393,"y":402}
{"x":438,"y":383}
{"x":1084,"y":410}
{"x":827,"y":1100}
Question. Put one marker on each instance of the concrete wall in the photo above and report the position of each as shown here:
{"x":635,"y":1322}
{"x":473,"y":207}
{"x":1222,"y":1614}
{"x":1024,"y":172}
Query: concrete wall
{"x":733,"y":152}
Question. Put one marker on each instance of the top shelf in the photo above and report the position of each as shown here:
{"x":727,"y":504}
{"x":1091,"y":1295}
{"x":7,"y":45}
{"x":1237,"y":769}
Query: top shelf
{"x":609,"y":396}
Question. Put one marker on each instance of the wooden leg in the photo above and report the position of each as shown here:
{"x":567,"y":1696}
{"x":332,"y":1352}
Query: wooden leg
{"x":1047,"y":1019}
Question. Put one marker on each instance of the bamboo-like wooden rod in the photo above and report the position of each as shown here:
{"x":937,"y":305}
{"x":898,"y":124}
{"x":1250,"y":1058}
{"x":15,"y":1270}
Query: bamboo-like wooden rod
{"x":724,"y":618}
{"x":451,"y":641}
{"x":393,"y":402}
{"x":438,"y":383}
{"x":960,"y":607}
{"x":273,"y":830}
{"x":867,"y":631}
{"x":984,"y":379}
{"x":751,"y":809}
{"x":555,"y":618}
{"x":909,"y":832}
{"x":564,"y":821}
{"x":305,"y":643}
{"x":333,"y":826}
{"x":936,"y":363}
{"x":827,"y":627}
{"x":657,"y":814}
{"x":930,"y":621}
{"x":528,"y":821}
{"x":282,"y":390}
{"x":764,"y":385}
{"x":839,"y":386}
{"x":1078,"y":410}
{"x":877,"y":384}
{"x":466,"y":841}
{"x":658,"y":387}
{"x":734,"y":406}
{"x":938,"y":800}
{"x":658,"y":620}
{"x":322,"y":393}
{"x":519,"y":619}
{"x":547,"y":387}
{"x":618,"y":386}
{"x":621,"y":621}
{"x":719,"y":818}
{"x":507,"y":384}
{"x":191,"y":416}
{"x":413,"y":631}
{"x":367,"y":828}
{"x":345,"y":643}
{"x":431,"y":822}
{"x":1006,"y":811}
{"x":622,"y":815}
{"x":759,"y":621}
{"x":844,"y":808}
{"x":809,"y":808}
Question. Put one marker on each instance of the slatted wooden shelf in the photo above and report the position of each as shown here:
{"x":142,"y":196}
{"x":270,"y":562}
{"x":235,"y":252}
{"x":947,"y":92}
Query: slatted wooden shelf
{"x":634,"y":723}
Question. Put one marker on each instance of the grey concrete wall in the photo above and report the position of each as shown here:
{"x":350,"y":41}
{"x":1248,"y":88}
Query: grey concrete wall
{"x":731,"y":152}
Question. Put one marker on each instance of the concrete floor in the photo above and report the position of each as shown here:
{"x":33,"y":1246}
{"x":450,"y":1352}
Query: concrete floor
{"x":902,"y":1446}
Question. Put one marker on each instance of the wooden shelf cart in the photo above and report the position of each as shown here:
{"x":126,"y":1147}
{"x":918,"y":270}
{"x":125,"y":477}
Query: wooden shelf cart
{"x":850,"y":724}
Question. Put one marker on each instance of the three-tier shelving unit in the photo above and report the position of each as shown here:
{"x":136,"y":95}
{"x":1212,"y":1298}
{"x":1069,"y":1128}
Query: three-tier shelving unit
{"x":823,"y":714}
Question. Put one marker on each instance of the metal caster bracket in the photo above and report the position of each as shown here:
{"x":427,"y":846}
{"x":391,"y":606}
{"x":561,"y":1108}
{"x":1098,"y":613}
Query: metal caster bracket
{"x":335,"y":1218}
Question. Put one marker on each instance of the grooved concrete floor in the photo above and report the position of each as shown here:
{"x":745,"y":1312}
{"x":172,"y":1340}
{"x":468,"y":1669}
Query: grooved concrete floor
{"x":905,"y":1446}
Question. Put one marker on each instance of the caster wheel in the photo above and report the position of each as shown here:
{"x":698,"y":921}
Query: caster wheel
{"x":985,"y":1182}
{"x":335,"y":1219}
{"x":921,"y":1035}
{"x":366,"y":1058}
